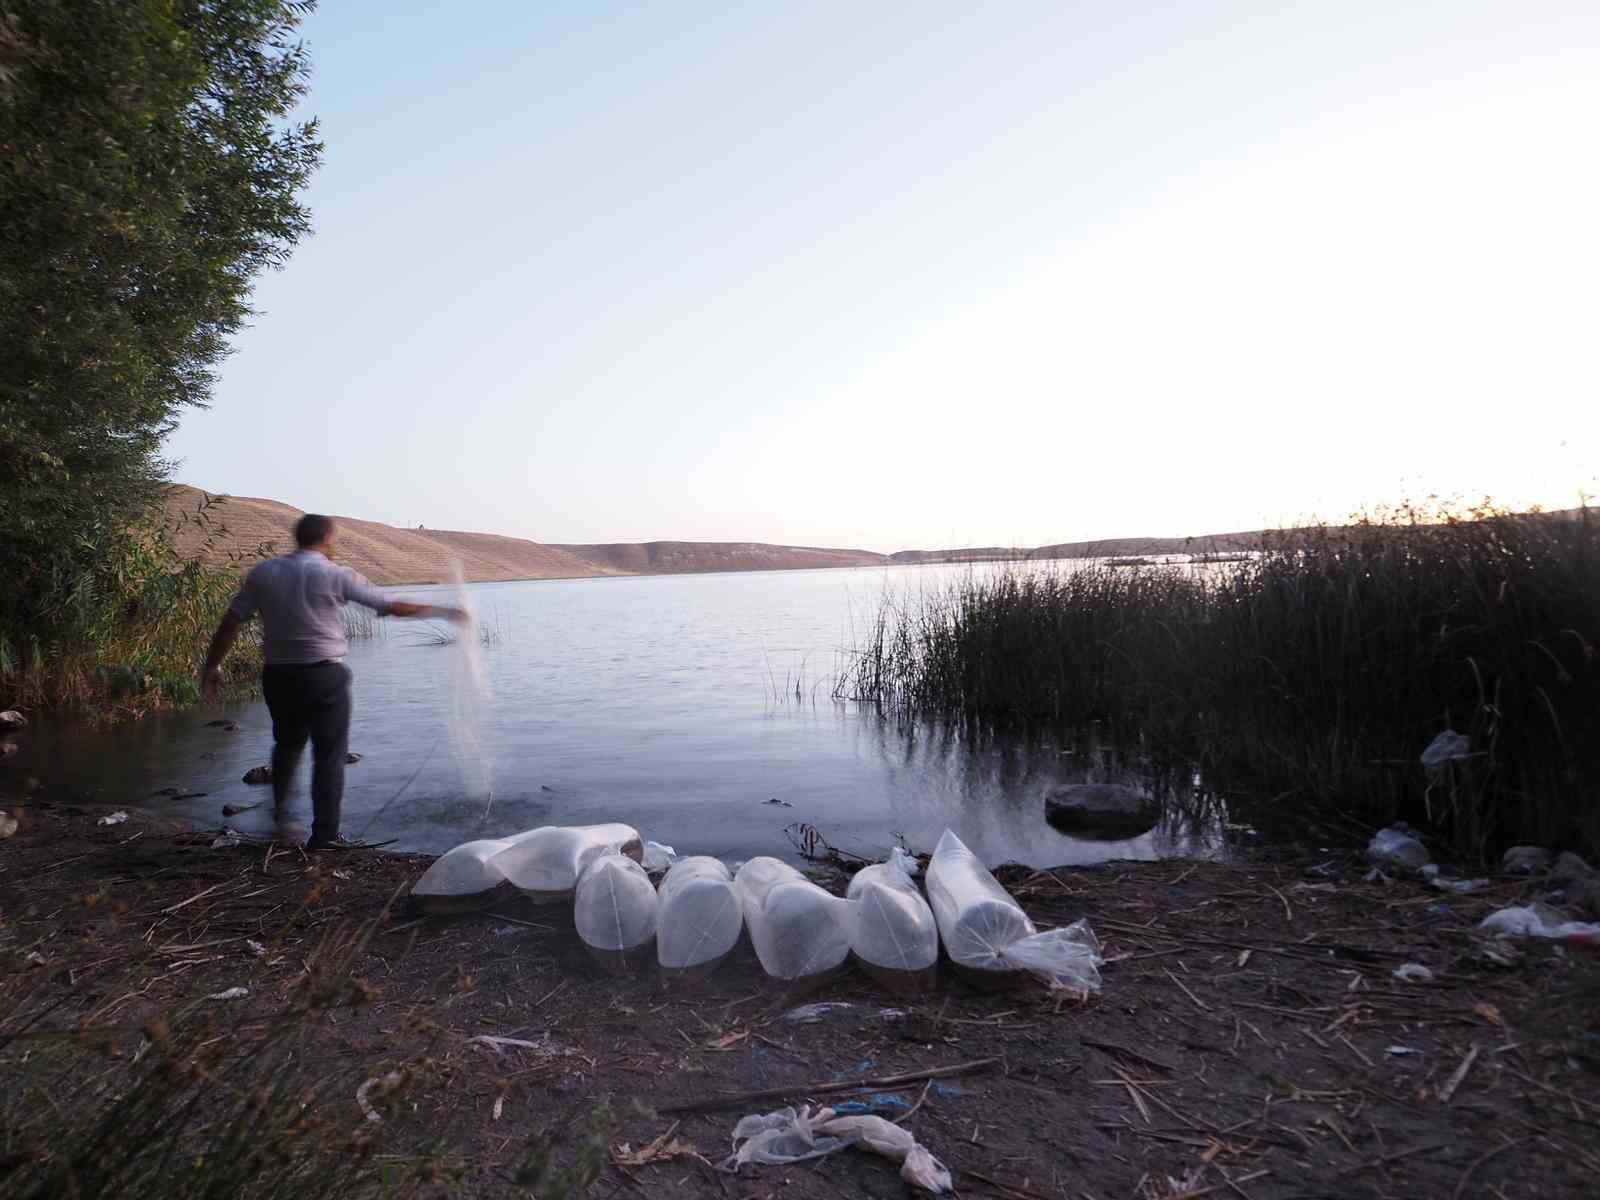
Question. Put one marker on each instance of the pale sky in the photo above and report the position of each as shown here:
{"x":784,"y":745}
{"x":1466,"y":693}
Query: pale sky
{"x":920,"y":275}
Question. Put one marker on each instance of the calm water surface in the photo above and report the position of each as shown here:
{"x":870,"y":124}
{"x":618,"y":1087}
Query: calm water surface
{"x":663,"y":701}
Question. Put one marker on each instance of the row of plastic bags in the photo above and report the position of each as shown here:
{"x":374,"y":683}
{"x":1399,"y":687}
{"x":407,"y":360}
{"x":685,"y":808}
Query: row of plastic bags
{"x":797,"y":929}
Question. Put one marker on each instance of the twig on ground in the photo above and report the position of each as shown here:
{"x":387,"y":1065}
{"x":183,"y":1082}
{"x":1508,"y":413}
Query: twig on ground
{"x":818,"y":1089}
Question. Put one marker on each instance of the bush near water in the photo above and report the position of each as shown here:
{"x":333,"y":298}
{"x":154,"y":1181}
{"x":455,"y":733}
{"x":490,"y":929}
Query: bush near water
{"x":1315,"y":671}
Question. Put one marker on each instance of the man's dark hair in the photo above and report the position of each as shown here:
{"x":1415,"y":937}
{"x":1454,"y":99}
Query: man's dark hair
{"x":312,"y":530}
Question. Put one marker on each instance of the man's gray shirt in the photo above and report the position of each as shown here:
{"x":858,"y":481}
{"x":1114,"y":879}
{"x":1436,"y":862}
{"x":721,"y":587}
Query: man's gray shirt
{"x":301,"y":599}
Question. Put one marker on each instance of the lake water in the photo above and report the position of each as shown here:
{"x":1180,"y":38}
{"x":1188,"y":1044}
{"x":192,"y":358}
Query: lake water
{"x":663,"y":701}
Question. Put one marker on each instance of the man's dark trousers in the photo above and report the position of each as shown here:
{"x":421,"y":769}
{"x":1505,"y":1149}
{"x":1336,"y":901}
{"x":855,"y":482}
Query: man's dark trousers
{"x":310,"y":701}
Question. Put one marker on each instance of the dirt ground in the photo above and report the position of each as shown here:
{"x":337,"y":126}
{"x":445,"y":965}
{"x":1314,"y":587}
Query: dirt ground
{"x":1250,"y":1039}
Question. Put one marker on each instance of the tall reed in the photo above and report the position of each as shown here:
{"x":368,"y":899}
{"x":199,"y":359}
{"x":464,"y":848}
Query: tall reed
{"x":1319,"y":667}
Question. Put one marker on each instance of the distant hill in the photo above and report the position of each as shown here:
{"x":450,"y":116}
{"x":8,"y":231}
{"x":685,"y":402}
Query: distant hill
{"x":240,"y":525}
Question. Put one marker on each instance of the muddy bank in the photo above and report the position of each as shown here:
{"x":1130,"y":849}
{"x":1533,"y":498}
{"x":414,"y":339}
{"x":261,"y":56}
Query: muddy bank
{"x":1247,"y":1042}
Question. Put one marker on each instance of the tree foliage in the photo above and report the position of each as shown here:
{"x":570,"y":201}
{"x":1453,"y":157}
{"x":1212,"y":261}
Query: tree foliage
{"x":149,"y":169}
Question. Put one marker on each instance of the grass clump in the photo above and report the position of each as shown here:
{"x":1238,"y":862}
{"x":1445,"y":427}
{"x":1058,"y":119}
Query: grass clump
{"x":1319,"y":667}
{"x":119,"y":629}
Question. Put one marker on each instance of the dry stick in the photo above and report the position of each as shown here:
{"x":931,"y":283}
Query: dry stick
{"x":1010,"y":1188}
{"x":1451,"y":1084}
{"x":1461,"y":1185}
{"x":1198,"y":1003}
{"x":197,"y":896}
{"x":1389,"y":1158}
{"x":818,"y":1089}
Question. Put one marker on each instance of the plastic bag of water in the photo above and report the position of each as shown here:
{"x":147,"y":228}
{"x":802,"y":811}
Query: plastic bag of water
{"x":896,"y":937}
{"x":989,"y":936}
{"x":614,"y":908}
{"x":797,"y":929}
{"x":545,"y":863}
{"x":698,"y":920}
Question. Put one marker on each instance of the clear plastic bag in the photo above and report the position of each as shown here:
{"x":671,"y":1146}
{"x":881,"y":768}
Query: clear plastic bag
{"x":787,"y":1136}
{"x":896,"y":937}
{"x":698,"y":919}
{"x":1398,"y":849}
{"x":463,"y":879}
{"x":797,"y":929}
{"x":545,"y":863}
{"x":987,"y":934}
{"x":614,"y":908}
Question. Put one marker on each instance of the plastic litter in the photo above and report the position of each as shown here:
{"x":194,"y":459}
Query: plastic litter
{"x":545,"y":863}
{"x":1398,"y":849}
{"x":615,"y":909}
{"x":698,"y":918}
{"x":386,"y":1082}
{"x":11,"y":719}
{"x":1413,"y":973}
{"x":233,"y":993}
{"x":987,"y":933}
{"x":116,"y":818}
{"x":1541,"y":921}
{"x":8,"y":825}
{"x":1458,"y":885}
{"x":787,"y":1136}
{"x":895,"y":937}
{"x":228,"y":838}
{"x":797,"y":929}
{"x":657,"y":857}
{"x":1526,"y":860}
{"x":1447,"y":747}
{"x":1401,"y":1051}
{"x":810,"y":1014}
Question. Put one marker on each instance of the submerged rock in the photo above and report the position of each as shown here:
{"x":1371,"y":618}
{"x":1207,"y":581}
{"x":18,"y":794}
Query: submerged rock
{"x":1106,"y":808}
{"x":258,"y":775}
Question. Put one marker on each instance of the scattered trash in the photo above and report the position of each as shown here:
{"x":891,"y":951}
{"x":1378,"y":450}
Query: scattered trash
{"x":1526,"y":860}
{"x":36,"y":959}
{"x":499,"y":1107}
{"x":1458,"y":885}
{"x":233,"y":993}
{"x":895,"y":932}
{"x":986,"y":931}
{"x":8,"y":825}
{"x":352,"y":758}
{"x":228,"y":838}
{"x":11,"y":720}
{"x":698,"y":918}
{"x":255,"y":947}
{"x":258,"y":775}
{"x":1413,"y":973}
{"x":498,"y":1045}
{"x":1447,"y":747}
{"x":386,"y":1082}
{"x":1541,"y":921}
{"x":657,"y":857}
{"x":1399,"y":1051}
{"x":1569,"y":868}
{"x":662,"y":1149}
{"x":797,"y":929}
{"x":1397,"y":848}
{"x":780,"y":803}
{"x":233,"y":810}
{"x":343,"y":875}
{"x":880,"y":1102}
{"x":116,"y":818}
{"x":787,"y":1136}
{"x":1375,"y":876}
{"x":947,"y":1091}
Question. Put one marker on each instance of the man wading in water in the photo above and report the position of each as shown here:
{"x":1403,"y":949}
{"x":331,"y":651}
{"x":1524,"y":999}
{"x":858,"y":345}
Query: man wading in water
{"x":301,"y":599}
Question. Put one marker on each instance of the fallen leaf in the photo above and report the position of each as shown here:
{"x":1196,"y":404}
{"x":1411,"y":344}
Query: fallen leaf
{"x":1489,"y":1013}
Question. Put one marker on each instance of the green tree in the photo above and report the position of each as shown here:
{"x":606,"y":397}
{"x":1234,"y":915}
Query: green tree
{"x":149,"y":169}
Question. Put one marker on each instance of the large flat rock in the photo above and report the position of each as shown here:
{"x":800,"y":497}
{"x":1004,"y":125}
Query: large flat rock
{"x":1101,"y":808}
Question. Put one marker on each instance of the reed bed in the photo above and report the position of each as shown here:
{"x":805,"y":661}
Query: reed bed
{"x":1318,"y":668}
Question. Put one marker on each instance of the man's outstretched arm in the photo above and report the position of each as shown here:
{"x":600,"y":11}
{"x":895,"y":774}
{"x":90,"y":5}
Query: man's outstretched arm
{"x":221,"y":642}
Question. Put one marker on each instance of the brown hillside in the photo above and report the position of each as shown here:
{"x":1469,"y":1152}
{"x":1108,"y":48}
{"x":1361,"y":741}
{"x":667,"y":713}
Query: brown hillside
{"x":383,"y":553}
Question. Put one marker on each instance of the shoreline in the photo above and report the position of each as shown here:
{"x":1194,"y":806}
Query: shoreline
{"x":1243,"y":1030}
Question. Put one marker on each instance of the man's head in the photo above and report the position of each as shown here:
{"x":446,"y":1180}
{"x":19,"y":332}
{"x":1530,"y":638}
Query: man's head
{"x":314,"y":532}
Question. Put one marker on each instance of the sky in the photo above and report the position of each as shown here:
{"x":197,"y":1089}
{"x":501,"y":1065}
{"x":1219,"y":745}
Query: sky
{"x":923,"y":275}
